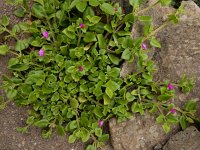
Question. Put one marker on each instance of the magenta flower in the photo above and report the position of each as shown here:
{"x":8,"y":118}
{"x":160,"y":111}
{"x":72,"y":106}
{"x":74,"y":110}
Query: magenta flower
{"x":82,"y":25}
{"x":144,"y":47}
{"x":173,"y":111}
{"x":115,"y":9}
{"x":81,"y":68}
{"x":100,"y":123}
{"x":170,"y":86}
{"x":41,"y":52}
{"x":45,"y":34}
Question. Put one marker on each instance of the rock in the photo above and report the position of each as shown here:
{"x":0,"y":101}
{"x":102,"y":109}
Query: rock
{"x":188,"y":139}
{"x":179,"y":55}
{"x":139,"y":133}
{"x":180,"y":52}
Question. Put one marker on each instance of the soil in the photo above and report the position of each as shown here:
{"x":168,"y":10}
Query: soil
{"x":13,"y":116}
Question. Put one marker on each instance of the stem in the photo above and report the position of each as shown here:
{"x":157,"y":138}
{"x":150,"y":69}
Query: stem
{"x":159,"y":109}
{"x":94,"y":138}
{"x":147,"y":8}
{"x":36,"y":65}
{"x":51,"y":29}
{"x":13,"y":35}
{"x":79,"y":38}
{"x":119,"y":27}
{"x":77,"y":119}
{"x":157,"y":30}
{"x":14,"y":53}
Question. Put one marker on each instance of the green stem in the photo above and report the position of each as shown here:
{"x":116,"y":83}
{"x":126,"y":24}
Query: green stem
{"x":50,"y":28}
{"x":157,"y":30}
{"x":79,"y":38}
{"x":158,"y":106}
{"x":36,"y":65}
{"x":147,"y":8}
{"x":77,"y":118}
{"x":14,"y":53}
{"x":13,"y":35}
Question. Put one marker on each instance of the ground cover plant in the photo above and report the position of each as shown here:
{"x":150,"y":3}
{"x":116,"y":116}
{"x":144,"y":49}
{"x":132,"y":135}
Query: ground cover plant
{"x":67,"y":70}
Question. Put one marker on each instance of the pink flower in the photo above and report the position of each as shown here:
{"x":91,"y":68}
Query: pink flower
{"x":41,"y":52}
{"x":82,"y":25}
{"x":173,"y":111}
{"x":170,"y":86}
{"x":115,"y":9}
{"x":144,"y":47}
{"x":81,"y":68}
{"x":100,"y":123}
{"x":45,"y":34}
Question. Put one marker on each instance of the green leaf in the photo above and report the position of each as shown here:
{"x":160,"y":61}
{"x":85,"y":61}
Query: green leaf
{"x":130,"y":97}
{"x":97,"y":91}
{"x":89,"y":37}
{"x":30,"y":120}
{"x":88,"y":12}
{"x":5,"y":21}
{"x":60,"y":130}
{"x":72,"y":139}
{"x":126,"y":54}
{"x":155,"y":43}
{"x":112,"y":85}
{"x":55,"y":96}
{"x":135,"y":107}
{"x":164,"y":97}
{"x":36,"y":43}
{"x":90,"y":147}
{"x":21,"y":45}
{"x":2,"y":29}
{"x":165,"y":2}
{"x":106,"y":99}
{"x":32,"y":97}
{"x":98,"y":132}
{"x":2,"y":106}
{"x":101,"y":41}
{"x":94,"y":3}
{"x":85,"y":135}
{"x":11,"y":93}
{"x":69,"y":34}
{"x":74,"y":103}
{"x":172,"y":119}
{"x":104,"y":138}
{"x":4,"y":49}
{"x":145,"y":18}
{"x":46,"y":134}
{"x":174,"y":18}
{"x":107,"y":8}
{"x":94,"y":19}
{"x":114,"y":59}
{"x":20,"y":12}
{"x":83,"y":88}
{"x":38,"y":10}
{"x":20,"y":67}
{"x":22,"y":129}
{"x":114,"y":72}
{"x":40,"y":2}
{"x":81,"y":5}
{"x":42,"y":123}
{"x":190,"y":105}
{"x":108,"y":28}
{"x":160,"y":118}
{"x":109,"y":92}
{"x":183,"y":122}
{"x":166,"y":127}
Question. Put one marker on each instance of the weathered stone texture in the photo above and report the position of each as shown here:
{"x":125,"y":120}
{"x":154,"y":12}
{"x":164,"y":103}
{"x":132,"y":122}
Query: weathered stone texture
{"x":189,"y":139}
{"x":179,"y":55}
